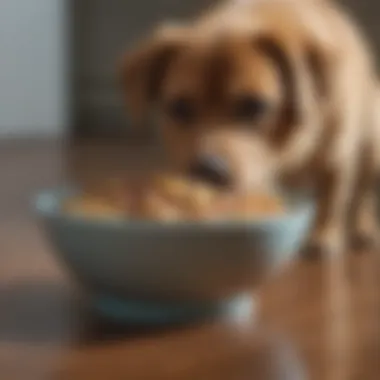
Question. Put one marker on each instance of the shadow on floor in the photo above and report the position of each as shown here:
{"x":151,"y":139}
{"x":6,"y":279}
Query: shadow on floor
{"x":48,"y":312}
{"x":36,"y":312}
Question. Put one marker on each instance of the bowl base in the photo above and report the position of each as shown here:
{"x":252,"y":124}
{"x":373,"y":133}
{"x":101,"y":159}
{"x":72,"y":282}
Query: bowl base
{"x":137,"y":312}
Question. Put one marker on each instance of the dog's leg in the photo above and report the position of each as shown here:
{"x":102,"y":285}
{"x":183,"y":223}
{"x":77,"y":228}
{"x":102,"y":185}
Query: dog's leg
{"x":339,"y":163}
{"x":364,"y":222}
{"x":334,"y":191}
{"x":365,"y":225}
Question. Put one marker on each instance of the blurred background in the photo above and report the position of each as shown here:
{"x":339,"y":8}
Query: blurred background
{"x":59,"y":58}
{"x":62,"y":117}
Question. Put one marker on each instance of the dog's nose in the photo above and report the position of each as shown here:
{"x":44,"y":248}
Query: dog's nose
{"x":211,"y":169}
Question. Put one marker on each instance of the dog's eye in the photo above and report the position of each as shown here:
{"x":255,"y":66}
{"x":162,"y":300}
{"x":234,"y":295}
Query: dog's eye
{"x":249,"y":107}
{"x":182,"y":110}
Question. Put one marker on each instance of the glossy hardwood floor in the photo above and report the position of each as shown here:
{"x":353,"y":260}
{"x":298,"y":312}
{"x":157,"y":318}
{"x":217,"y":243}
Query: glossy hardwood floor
{"x":317,"y":320}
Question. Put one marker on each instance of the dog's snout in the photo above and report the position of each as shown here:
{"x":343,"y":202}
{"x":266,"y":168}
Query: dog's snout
{"x":211,"y":169}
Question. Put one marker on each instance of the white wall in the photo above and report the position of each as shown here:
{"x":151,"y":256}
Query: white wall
{"x":33,"y":59}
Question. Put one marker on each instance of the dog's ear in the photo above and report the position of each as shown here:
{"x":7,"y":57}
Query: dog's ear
{"x":283,"y":59}
{"x":143,"y":70}
{"x":320,"y":61}
{"x":305,"y":73}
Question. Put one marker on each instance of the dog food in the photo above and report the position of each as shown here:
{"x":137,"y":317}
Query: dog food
{"x":93,"y":207}
{"x":100,"y":200}
{"x":170,"y":198}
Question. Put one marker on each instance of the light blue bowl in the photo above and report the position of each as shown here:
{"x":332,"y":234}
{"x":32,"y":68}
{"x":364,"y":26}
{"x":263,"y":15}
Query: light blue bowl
{"x":148,"y":272}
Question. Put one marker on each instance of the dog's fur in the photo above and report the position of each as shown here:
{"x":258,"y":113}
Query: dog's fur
{"x":320,"y":125}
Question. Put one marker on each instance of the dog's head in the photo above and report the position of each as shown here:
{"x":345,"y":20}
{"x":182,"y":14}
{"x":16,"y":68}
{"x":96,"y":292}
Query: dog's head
{"x":234,"y":108}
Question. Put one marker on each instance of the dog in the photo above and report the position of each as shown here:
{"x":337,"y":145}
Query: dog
{"x":269,"y":91}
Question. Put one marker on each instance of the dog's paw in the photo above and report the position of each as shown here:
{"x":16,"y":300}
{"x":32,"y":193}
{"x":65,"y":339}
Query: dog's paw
{"x":364,"y":235}
{"x":364,"y":241}
{"x":327,"y":243}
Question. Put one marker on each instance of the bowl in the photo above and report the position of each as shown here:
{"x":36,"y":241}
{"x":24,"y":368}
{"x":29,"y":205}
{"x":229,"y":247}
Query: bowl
{"x":151,"y":272}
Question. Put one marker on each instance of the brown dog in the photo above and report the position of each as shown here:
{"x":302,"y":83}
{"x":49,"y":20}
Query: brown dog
{"x":269,"y":90}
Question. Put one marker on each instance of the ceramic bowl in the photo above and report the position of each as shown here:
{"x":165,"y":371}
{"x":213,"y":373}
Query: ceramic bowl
{"x":150,"y":272}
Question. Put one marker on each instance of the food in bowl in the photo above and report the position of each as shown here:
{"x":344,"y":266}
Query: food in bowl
{"x":99,"y":199}
{"x":170,"y":198}
{"x":92,"y":207}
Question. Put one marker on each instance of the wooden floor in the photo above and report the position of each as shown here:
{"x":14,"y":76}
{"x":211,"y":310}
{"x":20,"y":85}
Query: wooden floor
{"x":318,"y":320}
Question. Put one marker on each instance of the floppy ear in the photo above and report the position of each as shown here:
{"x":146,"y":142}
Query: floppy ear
{"x":284,"y":61}
{"x":320,"y":61}
{"x":143,"y":70}
{"x":304,"y":72}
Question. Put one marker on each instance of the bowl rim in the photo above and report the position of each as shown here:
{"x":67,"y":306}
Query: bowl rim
{"x":46,"y":205}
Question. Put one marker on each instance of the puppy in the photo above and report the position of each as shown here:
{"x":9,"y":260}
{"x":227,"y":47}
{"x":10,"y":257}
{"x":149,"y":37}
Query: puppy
{"x":269,"y":91}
